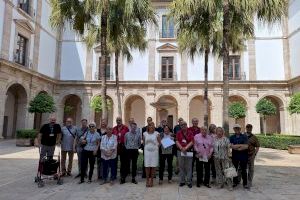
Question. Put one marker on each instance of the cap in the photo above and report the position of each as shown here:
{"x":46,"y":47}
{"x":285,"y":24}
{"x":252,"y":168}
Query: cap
{"x":236,"y":126}
{"x":92,"y":123}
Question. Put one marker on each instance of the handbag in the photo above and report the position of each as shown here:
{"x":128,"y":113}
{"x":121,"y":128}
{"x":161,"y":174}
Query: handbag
{"x":230,"y":172}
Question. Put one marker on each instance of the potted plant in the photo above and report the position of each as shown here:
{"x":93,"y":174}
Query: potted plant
{"x":237,"y":110}
{"x":265,"y":108}
{"x":25,"y":137}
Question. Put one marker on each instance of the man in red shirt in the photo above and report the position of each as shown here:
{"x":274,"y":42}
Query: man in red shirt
{"x":120,"y":130}
{"x":184,"y":142}
{"x":195,"y":130}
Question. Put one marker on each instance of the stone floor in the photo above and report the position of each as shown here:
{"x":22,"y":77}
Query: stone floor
{"x":277,"y":177}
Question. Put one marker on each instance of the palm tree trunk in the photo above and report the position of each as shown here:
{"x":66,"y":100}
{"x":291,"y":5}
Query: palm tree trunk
{"x":225,"y":54}
{"x":104,"y":56}
{"x":206,"y":106}
{"x":117,"y":53}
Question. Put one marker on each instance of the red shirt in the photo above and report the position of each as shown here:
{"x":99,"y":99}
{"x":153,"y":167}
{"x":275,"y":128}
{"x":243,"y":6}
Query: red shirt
{"x":120,"y":132}
{"x":184,"y":141}
{"x":195,"y":130}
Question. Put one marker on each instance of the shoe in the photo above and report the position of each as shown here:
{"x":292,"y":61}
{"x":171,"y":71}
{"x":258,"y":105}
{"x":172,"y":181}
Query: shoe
{"x":85,"y":176}
{"x":89,"y":181}
{"x":190,"y":185}
{"x":198,"y":185}
{"x":230,"y":188}
{"x":207,"y":185}
{"x":69,"y":174}
{"x":103,"y":182}
{"x":246,"y":187}
{"x":77,"y":176}
{"x":234,"y":185}
{"x":181,"y":184}
{"x":221,"y":186}
{"x":80,"y":182}
{"x":122,"y":181}
{"x":63,"y":174}
{"x":112,"y":182}
{"x":160,"y":182}
{"x":177,"y":171}
{"x":134,"y":181}
{"x":170,"y":181}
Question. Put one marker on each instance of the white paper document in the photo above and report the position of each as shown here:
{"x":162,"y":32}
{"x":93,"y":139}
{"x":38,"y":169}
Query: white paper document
{"x":188,"y":154}
{"x":167,"y":142}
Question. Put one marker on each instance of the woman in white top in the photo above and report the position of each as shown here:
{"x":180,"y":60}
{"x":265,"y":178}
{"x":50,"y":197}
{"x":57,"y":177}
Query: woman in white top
{"x":151,"y":142}
{"x":108,"y":149}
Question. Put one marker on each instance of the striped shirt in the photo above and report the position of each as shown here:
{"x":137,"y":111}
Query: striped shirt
{"x":221,"y":147}
{"x":133,"y":140}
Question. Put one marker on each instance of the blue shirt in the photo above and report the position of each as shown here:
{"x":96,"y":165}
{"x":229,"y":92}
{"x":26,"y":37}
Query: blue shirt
{"x":239,"y":139}
{"x":92,"y":139}
{"x":68,"y":137}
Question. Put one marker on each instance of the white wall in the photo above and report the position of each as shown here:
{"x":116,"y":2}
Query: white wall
{"x":47,"y":54}
{"x":294,"y":15}
{"x":137,"y":69}
{"x":2,"y":4}
{"x":265,"y":30}
{"x":196,"y":68}
{"x":269,"y":60}
{"x":46,"y":11}
{"x":73,"y":61}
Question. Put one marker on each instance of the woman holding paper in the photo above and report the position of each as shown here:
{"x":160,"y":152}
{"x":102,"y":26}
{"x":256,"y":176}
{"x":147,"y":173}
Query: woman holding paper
{"x":203,"y":145}
{"x":166,"y":153}
{"x":151,"y":140}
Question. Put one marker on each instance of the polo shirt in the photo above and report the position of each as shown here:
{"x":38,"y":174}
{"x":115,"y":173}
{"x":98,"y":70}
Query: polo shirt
{"x":92,"y":139}
{"x":184,"y":140}
{"x":68,"y":138}
{"x":195,"y":130}
{"x":120,"y":132}
{"x":49,"y":134}
{"x":239,"y":139}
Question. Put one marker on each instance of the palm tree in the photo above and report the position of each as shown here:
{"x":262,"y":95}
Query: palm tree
{"x":128,"y":32}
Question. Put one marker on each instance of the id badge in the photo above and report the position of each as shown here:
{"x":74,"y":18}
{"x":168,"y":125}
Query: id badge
{"x":184,"y":141}
{"x":51,"y":135}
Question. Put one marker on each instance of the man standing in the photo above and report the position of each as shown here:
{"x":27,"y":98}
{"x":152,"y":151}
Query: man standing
{"x":253,"y":148}
{"x":79,"y":133}
{"x":49,"y":135}
{"x":195,"y":130}
{"x":132,"y":143}
{"x":239,"y":145}
{"x":120,"y":130}
{"x":176,"y":129}
{"x":144,"y":129}
{"x":68,"y":146}
{"x":160,"y":129}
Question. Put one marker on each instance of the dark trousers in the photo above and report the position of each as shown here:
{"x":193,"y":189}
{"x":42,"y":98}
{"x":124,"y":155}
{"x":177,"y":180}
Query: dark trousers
{"x":242,"y":164}
{"x":87,"y":157}
{"x":199,"y":167}
{"x":132,"y":157}
{"x":162,"y":163}
{"x":111,"y":165}
{"x":212,"y":167}
{"x":123,"y":160}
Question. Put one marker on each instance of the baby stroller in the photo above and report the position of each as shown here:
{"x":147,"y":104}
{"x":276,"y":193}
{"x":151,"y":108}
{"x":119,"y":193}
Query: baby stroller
{"x":49,"y":169}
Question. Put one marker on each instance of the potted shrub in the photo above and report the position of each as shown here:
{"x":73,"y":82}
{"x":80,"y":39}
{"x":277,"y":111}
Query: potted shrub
{"x":25,"y":137}
{"x":237,"y":110}
{"x":265,"y":108}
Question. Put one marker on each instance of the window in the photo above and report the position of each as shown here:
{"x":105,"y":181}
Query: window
{"x":167,"y":68}
{"x":21,"y":50}
{"x":24,"y":5}
{"x":107,"y":68}
{"x":234,"y":68}
{"x":168,"y":30}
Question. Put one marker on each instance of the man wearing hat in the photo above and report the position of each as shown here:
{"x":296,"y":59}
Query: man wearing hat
{"x":239,"y":145}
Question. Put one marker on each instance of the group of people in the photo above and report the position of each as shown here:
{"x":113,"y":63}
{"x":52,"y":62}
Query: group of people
{"x":211,"y":150}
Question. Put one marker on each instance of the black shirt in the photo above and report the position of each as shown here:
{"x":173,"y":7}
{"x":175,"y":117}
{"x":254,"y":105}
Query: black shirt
{"x":49,"y":134}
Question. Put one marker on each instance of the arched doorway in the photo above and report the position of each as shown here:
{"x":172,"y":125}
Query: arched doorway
{"x":166,"y":109}
{"x":110,"y":120}
{"x":275,"y":123}
{"x":15,"y":110}
{"x":135,"y":108}
{"x":72,"y":108}
{"x":196,"y":110}
{"x":242,"y":121}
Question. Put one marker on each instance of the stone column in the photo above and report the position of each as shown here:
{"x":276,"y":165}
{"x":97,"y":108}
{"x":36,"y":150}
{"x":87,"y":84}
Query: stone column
{"x":286,"y":49}
{"x":252,"y":116}
{"x":2,"y":106}
{"x":37,"y":31}
{"x":183,"y":105}
{"x":88,"y":65}
{"x":58,"y":53}
{"x":86,"y":109}
{"x":150,"y":110}
{"x":216,"y":107}
{"x":151,"y":67}
{"x":252,"y":60}
{"x":217,"y":69}
{"x":184,"y":67}
{"x":7,"y":22}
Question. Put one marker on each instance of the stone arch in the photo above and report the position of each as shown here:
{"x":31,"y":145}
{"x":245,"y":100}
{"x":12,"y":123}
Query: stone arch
{"x":275,"y":123}
{"x":15,"y":111}
{"x":232,"y":121}
{"x":72,"y":107}
{"x":166,"y":108}
{"x":196,"y":109}
{"x":98,"y":116}
{"x":135,"y":107}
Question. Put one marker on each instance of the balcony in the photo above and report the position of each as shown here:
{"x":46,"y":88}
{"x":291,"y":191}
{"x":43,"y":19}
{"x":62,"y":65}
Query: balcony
{"x":25,"y":7}
{"x":167,"y":77}
{"x":109,"y":77}
{"x":26,"y":62}
{"x":168,"y":34}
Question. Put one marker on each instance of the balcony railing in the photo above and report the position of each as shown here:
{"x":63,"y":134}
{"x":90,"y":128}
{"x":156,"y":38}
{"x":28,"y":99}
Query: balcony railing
{"x":168,"y":33}
{"x":108,"y":77}
{"x":26,"y":63}
{"x":173,"y":78}
{"x":242,"y":77}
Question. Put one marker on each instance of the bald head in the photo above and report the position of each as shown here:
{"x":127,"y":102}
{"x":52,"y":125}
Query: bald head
{"x":119,"y":120}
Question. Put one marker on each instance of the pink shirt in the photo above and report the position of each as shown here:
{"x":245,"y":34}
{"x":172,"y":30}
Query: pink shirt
{"x":203,"y":145}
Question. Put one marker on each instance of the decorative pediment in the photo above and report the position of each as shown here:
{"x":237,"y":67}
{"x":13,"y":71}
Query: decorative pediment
{"x":167,"y":47}
{"x":25,"y":24}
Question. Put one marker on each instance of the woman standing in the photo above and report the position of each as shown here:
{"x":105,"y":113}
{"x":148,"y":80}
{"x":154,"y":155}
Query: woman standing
{"x":166,"y":154}
{"x":151,"y":142}
{"x":102,"y":131}
{"x":91,"y":142}
{"x":108,"y":154}
{"x":212,"y":132}
{"x":221,"y":157}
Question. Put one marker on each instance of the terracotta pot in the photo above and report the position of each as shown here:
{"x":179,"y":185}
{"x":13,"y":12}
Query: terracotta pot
{"x":23,"y":142}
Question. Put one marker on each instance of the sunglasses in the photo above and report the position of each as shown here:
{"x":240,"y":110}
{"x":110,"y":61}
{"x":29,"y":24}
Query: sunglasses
{"x":91,"y":126}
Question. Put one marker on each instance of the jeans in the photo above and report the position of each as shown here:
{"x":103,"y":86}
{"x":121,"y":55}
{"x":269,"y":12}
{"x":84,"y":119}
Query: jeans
{"x":109,"y":165}
{"x":63,"y":161}
{"x":123,"y":160}
{"x":212,"y":167}
{"x":87,"y":156}
{"x":132,"y":157}
{"x":243,"y":166}
{"x":185,"y":167}
{"x":79,"y":156}
{"x":199,"y":166}
{"x":162,"y":162}
{"x":251,"y":168}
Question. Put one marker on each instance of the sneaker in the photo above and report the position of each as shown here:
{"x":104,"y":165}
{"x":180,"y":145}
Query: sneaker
{"x":207,"y":185}
{"x":246,"y":187}
{"x":190,"y":185}
{"x":134,"y":181}
{"x":80,"y":182}
{"x":89,"y":181}
{"x":181,"y":184}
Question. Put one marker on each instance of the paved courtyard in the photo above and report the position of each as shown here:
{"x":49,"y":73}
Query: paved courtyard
{"x":277,"y":177}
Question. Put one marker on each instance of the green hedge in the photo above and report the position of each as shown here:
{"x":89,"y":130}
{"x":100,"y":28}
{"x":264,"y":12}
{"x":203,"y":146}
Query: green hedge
{"x":278,"y":141}
{"x":27,"y":133}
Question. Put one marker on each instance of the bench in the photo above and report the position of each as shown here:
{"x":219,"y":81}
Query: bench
{"x":294,"y":149}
